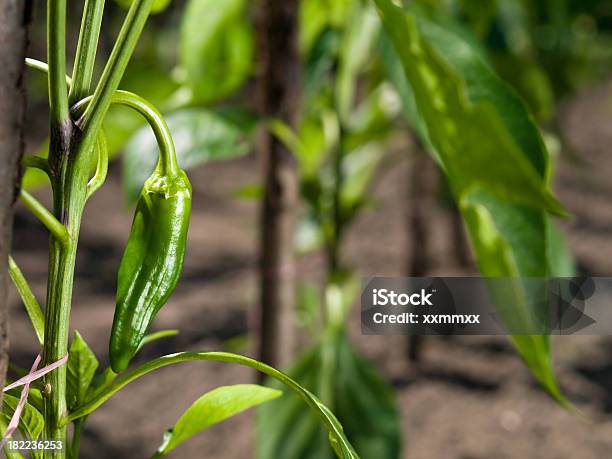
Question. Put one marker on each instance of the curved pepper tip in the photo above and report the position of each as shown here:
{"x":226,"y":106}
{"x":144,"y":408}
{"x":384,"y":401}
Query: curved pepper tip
{"x":119,"y":362}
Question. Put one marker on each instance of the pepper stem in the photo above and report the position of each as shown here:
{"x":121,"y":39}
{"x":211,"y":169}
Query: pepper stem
{"x":168,"y":164}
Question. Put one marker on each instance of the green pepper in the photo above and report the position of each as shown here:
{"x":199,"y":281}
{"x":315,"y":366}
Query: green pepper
{"x":152,"y":261}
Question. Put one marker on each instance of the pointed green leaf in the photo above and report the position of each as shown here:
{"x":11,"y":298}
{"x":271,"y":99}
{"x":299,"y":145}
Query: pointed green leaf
{"x":492,"y":152}
{"x":355,"y":52}
{"x":82,"y":365}
{"x":31,"y":422}
{"x":29,"y":299}
{"x":478,"y":125}
{"x":213,"y":407}
{"x":217,"y":47}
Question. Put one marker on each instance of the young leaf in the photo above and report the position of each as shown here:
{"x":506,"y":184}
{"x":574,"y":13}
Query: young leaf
{"x":492,"y":153}
{"x":199,"y":135}
{"x":355,"y":51}
{"x":31,"y":422}
{"x":213,"y":407}
{"x":82,"y":365}
{"x":352,"y":388}
{"x":217,"y":47}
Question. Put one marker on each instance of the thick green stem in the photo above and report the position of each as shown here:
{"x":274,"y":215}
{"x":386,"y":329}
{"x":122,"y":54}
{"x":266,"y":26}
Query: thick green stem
{"x":56,"y":56}
{"x":59,"y":297}
{"x":70,"y":196}
{"x":117,"y":62}
{"x":76,"y":438}
{"x":61,"y":126}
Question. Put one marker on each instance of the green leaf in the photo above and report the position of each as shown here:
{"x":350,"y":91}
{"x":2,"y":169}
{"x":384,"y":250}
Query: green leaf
{"x":251,"y":191}
{"x":157,"y":7}
{"x":31,"y":422}
{"x":460,"y":98}
{"x":82,"y":365}
{"x":308,"y":305}
{"x":341,"y":292}
{"x":560,"y":259}
{"x":10,"y":454}
{"x":213,"y":407}
{"x":352,"y":388}
{"x":493,"y":155}
{"x":29,"y":299}
{"x":355,"y":52}
{"x":315,"y":138}
{"x":106,"y":391}
{"x":217,"y":47}
{"x":359,"y":167}
{"x":317,"y":15}
{"x":199,"y":135}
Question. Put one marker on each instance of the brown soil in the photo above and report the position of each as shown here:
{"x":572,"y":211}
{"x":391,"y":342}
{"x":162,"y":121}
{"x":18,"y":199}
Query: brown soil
{"x":469,"y":398}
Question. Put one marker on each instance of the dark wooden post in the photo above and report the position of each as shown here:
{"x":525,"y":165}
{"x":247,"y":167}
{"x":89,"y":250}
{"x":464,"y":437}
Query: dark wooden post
{"x":14,"y":19}
{"x":422,"y":188}
{"x":278,"y":94}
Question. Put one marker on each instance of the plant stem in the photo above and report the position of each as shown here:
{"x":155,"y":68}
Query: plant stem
{"x":117,"y":62}
{"x":76,"y":437}
{"x":36,"y":162}
{"x":47,"y":218}
{"x":59,"y":297}
{"x":335,"y":239}
{"x":70,"y":192}
{"x":85,"y":57}
{"x":69,"y":202}
{"x":58,"y":91}
{"x":168,"y":164}
{"x":90,"y":122}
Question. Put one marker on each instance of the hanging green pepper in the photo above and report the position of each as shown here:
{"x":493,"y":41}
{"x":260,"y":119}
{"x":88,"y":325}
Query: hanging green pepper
{"x":152,"y":262}
{"x":153,"y":258}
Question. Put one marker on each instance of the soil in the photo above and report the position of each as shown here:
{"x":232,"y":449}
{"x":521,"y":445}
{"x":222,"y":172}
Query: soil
{"x":467,"y":398}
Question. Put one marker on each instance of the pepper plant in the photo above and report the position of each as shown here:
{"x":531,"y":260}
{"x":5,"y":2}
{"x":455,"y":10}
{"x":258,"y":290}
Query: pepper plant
{"x":485,"y":140}
{"x":340,"y":146}
{"x":76,"y":167}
